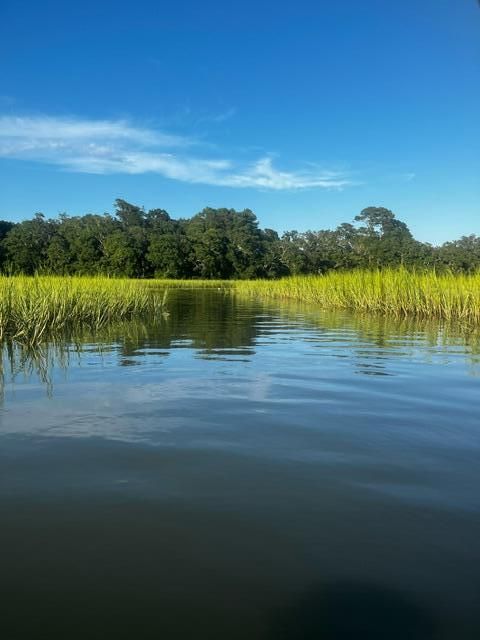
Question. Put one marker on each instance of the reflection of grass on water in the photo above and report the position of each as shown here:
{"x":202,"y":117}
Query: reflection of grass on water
{"x":40,"y":359}
{"x":384,"y":330}
{"x":35,"y":309}
{"x":209,"y":321}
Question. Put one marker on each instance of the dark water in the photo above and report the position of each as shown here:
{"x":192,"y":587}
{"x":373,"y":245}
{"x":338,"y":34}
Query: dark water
{"x":242,"y":471}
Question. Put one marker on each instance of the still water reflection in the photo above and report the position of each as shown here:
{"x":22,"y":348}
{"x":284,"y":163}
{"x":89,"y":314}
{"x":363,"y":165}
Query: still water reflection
{"x":236,"y":470}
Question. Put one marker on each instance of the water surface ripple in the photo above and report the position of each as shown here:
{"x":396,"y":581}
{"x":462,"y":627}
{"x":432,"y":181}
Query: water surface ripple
{"x":240,"y":470}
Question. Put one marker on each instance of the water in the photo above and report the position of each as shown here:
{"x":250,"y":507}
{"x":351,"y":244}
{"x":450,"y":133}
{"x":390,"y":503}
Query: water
{"x":237,"y":470}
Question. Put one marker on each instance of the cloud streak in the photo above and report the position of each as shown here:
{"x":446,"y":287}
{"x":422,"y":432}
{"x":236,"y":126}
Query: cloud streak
{"x":118,"y":147}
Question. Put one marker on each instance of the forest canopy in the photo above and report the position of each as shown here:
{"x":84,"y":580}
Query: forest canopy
{"x":217,"y":243}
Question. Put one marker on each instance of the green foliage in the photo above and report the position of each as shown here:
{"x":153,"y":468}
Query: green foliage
{"x":169,"y":255}
{"x":26,"y":244}
{"x":225,"y":243}
{"x":218,"y":244}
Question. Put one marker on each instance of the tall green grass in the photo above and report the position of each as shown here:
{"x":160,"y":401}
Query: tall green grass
{"x":33,"y":309}
{"x":395,"y":291}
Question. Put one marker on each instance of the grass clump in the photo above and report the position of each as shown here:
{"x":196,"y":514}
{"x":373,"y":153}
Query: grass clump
{"x":392,"y":291}
{"x":33,"y":309}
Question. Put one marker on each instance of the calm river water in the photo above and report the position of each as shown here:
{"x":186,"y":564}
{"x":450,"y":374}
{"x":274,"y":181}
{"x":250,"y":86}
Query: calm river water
{"x":242,"y":471}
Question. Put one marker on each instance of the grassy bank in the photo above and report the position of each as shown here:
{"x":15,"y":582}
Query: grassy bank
{"x":398,"y":292}
{"x":35,"y":308}
{"x":188,"y":284}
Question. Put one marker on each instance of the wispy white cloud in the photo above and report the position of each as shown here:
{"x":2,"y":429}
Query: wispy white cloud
{"x":39,"y":129}
{"x":262,"y":173}
{"x":117,"y":146}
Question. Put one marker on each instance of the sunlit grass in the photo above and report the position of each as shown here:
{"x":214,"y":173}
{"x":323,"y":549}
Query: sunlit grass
{"x":396,"y":291}
{"x":34,"y":308}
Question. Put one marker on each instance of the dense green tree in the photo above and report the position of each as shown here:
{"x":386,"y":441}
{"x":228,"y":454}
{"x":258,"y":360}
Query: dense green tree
{"x":245,"y":246}
{"x":26,"y":245}
{"x":5,"y":228}
{"x":320,"y":249}
{"x":157,"y":219}
{"x":460,"y":255}
{"x":60,"y":257}
{"x":86,"y":238}
{"x":383,"y":240}
{"x":120,"y":255}
{"x":129,"y":214}
{"x":169,"y":249}
{"x":217,"y":243}
{"x":169,"y":255}
{"x":292,"y":252}
{"x":225,"y":243}
{"x":132,"y":244}
{"x":273,"y":265}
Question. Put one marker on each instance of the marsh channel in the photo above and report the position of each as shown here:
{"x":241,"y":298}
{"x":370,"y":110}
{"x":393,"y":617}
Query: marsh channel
{"x":241,"y":470}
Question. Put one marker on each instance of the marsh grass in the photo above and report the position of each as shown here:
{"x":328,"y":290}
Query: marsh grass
{"x":33,"y":309}
{"x":394,"y":292}
{"x":386,"y":336}
{"x":36,"y":309}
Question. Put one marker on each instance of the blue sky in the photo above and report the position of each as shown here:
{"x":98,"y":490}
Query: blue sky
{"x":305,"y":112}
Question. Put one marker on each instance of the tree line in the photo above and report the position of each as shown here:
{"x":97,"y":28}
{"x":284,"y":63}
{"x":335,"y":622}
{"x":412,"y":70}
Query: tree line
{"x":217,"y":243}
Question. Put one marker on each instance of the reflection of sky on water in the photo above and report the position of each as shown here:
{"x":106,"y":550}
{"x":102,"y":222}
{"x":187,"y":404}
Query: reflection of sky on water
{"x":216,"y":357}
{"x":213,"y":327}
{"x":258,"y":457}
{"x":201,"y":379}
